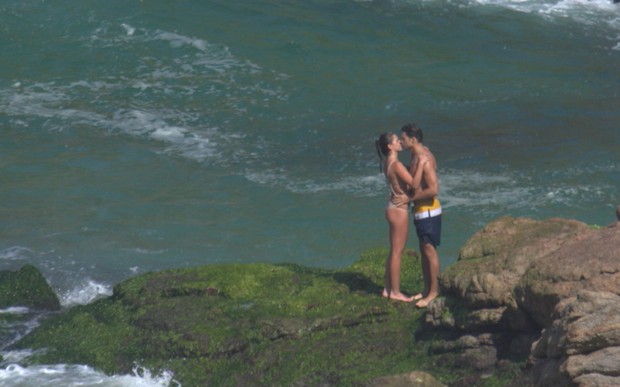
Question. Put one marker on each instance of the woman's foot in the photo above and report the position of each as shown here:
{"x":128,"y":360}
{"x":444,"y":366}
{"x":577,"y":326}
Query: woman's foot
{"x":396,"y":296}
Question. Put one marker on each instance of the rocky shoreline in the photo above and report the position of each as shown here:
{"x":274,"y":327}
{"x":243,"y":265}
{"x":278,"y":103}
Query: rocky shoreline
{"x":527,"y":303}
{"x":548,"y":290}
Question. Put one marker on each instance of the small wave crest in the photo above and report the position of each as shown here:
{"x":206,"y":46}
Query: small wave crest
{"x":361,"y":186}
{"x":578,"y":9}
{"x":197,"y":145}
{"x":491,"y":194}
{"x":84,"y":293}
{"x":593,"y":13}
{"x":15,"y":253}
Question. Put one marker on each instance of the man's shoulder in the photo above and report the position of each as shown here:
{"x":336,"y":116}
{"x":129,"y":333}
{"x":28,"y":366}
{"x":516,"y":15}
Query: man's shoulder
{"x":430,"y":154}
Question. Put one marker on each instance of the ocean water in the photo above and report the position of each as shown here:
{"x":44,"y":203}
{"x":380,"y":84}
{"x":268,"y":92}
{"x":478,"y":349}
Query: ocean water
{"x":144,"y":135}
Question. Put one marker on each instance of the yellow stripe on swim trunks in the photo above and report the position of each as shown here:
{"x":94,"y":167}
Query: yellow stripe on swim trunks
{"x":427,"y":209}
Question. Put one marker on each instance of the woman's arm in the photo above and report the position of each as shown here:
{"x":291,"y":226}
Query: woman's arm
{"x":403,"y":174}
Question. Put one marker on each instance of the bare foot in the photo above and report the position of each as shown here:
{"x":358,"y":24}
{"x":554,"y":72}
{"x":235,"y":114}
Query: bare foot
{"x":396,"y":296}
{"x":423,"y":303}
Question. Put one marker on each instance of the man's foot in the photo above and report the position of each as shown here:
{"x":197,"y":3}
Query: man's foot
{"x":423,"y":303}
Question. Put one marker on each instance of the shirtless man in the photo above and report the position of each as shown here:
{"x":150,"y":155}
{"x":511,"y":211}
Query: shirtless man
{"x":426,"y":212}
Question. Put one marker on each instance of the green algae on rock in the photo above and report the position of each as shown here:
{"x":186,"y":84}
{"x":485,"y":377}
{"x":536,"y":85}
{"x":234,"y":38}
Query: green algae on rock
{"x":245,"y":324}
{"x":27,"y":287}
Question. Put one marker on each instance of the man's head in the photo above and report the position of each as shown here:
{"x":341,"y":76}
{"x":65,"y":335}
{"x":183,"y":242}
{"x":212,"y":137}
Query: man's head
{"x":410,"y":134}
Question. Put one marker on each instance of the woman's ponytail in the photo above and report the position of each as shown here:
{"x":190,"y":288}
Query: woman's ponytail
{"x":382,"y":147}
{"x":378,"y":148}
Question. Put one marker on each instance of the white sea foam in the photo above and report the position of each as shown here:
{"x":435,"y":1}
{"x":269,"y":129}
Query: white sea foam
{"x":474,"y":189}
{"x":355,"y":185}
{"x":190,"y":143}
{"x":572,"y":8}
{"x":84,"y":293}
{"x":129,"y":29}
{"x":15,"y":310}
{"x":169,"y":134}
{"x":45,"y":100}
{"x":15,"y":253}
{"x":14,"y":375}
{"x":592,"y":13}
{"x":16,"y":329}
{"x":361,"y":186}
{"x":16,"y":356}
{"x":177,"y":40}
{"x":181,"y":130}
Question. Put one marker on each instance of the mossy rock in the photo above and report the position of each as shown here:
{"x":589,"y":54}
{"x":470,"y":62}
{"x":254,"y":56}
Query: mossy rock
{"x":246,"y":324}
{"x":27,"y":287}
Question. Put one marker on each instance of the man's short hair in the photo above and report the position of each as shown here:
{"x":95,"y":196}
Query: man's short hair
{"x":413,"y":131}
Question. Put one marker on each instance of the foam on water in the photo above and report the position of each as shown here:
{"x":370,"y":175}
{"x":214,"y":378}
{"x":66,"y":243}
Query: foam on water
{"x":15,"y":310}
{"x":564,"y":8}
{"x":84,"y":293}
{"x":198,"y":67}
{"x":45,"y":100}
{"x":15,"y":253}
{"x":516,"y":192}
{"x":13,"y":375}
{"x":14,"y":329}
{"x":469,"y":190}
{"x":593,"y":13}
{"x":360,"y":186}
{"x":472,"y":189}
{"x":215,"y":58}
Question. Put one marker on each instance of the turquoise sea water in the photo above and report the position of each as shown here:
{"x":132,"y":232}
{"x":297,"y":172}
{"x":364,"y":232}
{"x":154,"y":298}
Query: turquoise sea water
{"x":143,"y":135}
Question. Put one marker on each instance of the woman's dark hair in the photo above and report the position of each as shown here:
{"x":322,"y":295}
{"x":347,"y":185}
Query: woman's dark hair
{"x":382,"y":146}
{"x":412,"y":131}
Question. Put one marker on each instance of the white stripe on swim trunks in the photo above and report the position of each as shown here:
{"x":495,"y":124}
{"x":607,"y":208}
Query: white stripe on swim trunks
{"x":427,"y":214}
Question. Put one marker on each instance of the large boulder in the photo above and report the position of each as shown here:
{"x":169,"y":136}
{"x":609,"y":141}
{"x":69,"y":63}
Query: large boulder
{"x":551,"y":283}
{"x":589,"y":260}
{"x":582,"y":344}
{"x":27,"y":287}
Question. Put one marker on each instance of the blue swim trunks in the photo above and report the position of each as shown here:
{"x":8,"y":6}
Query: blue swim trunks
{"x":429,"y":230}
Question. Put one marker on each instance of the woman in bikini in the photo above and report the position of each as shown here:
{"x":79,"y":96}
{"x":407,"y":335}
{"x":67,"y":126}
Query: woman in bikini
{"x":400,"y":184}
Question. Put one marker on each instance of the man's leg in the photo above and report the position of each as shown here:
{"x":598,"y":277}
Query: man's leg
{"x":430,"y":271}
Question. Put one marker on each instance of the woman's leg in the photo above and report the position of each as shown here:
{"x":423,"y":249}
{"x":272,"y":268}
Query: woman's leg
{"x":398,"y":220}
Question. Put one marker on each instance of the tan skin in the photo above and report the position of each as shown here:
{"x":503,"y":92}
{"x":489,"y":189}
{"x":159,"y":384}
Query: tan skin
{"x":398,"y":220}
{"x":429,"y":188}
